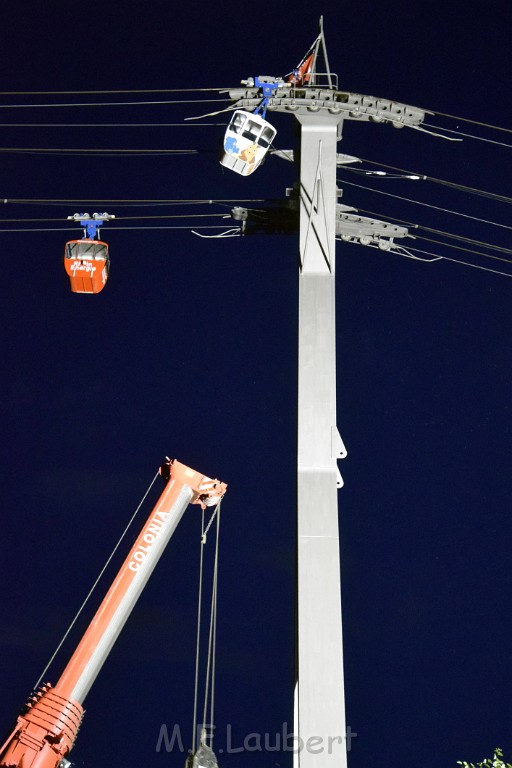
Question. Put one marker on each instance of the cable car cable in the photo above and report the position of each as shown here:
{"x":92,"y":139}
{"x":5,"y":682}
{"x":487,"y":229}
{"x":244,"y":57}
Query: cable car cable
{"x":402,"y":251}
{"x":218,"y":90}
{"x":106,"y":125}
{"x":118,"y":229}
{"x":127,"y":201}
{"x":212,"y":90}
{"x":446,"y":234}
{"x":462,"y":248}
{"x":59,"y":646}
{"x":456,"y":261}
{"x":123,"y":90}
{"x":80,"y":151}
{"x":472,"y":122}
{"x":427,"y":205}
{"x":106,"y":153}
{"x":464,"y":239}
{"x":460,"y":187}
{"x":112,"y":103}
{"x":468,"y":135}
{"x":132,"y":218}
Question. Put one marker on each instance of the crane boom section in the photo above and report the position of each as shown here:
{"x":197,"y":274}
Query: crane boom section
{"x":185,"y":487}
{"x":46,"y":730}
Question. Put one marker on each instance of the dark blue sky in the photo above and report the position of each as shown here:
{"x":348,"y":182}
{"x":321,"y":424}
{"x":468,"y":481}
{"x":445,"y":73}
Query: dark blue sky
{"x":191,"y":351}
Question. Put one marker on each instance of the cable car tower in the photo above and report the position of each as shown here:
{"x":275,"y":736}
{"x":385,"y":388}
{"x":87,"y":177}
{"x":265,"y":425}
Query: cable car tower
{"x":313,"y":97}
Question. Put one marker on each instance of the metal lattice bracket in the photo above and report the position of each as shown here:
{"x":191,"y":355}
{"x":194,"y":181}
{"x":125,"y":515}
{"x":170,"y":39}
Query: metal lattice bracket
{"x":352,"y":106}
{"x":352,"y":228}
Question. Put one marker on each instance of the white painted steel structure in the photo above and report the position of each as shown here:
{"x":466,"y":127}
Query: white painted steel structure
{"x":320,"y":726}
{"x":321,"y":700}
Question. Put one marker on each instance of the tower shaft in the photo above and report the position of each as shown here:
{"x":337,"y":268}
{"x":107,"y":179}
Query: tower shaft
{"x":320,"y":715}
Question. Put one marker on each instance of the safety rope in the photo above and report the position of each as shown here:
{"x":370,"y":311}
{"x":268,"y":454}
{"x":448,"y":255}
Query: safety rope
{"x":45,"y":670}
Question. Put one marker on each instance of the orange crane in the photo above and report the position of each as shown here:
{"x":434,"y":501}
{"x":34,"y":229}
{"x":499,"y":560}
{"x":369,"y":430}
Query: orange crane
{"x":48,"y":725}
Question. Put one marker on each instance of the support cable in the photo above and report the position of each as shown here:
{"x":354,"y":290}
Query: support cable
{"x":426,"y":205}
{"x":401,"y":250}
{"x":106,"y":125}
{"x":463,"y":239}
{"x":213,"y":90}
{"x":472,"y":122}
{"x":64,"y":637}
{"x":225,"y":89}
{"x":469,"y":135}
{"x":454,"y":261}
{"x":118,"y":229}
{"x":113,"y":103}
{"x":123,"y":201}
{"x":446,"y":234}
{"x":124,"y":90}
{"x":453,"y":185}
{"x":447,"y":245}
{"x":130,"y":218}
{"x":462,"y":248}
{"x":95,"y":151}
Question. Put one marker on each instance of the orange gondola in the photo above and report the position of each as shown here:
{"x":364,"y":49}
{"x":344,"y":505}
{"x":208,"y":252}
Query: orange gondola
{"x":87,"y":265}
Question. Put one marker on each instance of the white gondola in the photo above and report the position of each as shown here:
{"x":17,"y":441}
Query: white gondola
{"x":246,"y":142}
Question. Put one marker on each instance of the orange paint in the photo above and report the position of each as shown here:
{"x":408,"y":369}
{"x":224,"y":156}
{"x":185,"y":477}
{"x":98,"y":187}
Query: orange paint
{"x":87,"y":265}
{"x":46,"y":731}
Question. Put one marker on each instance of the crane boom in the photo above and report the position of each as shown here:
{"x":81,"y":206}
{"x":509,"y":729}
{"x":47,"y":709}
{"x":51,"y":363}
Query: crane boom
{"x":47,"y":728}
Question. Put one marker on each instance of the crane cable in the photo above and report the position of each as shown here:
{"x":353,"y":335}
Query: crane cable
{"x":64,"y":637}
{"x":209,"y":686}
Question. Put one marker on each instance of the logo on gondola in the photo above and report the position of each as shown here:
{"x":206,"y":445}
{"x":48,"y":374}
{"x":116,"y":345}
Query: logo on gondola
{"x":82,"y":266}
{"x":231,"y":146}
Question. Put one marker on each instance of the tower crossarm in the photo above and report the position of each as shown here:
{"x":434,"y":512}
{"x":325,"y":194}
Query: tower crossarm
{"x":352,"y":106}
{"x":352,"y":228}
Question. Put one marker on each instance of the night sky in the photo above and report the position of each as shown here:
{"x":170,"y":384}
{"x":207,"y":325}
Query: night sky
{"x":190,"y":351}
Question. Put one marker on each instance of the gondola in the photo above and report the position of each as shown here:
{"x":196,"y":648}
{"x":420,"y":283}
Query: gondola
{"x":246,"y":142}
{"x":87,"y":265}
